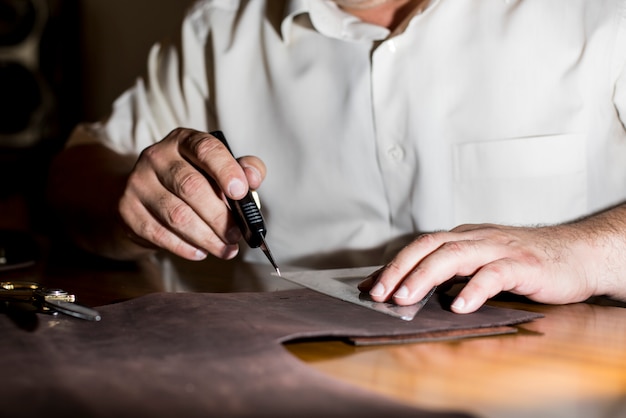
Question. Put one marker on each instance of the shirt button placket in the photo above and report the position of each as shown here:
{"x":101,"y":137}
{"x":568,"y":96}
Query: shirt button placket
{"x":390,"y":111}
{"x":396,"y":153}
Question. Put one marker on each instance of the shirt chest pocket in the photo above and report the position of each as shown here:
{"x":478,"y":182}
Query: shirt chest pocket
{"x":521,"y":181}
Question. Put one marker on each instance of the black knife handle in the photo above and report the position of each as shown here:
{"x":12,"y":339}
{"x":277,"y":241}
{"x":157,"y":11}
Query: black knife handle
{"x":245,"y":211}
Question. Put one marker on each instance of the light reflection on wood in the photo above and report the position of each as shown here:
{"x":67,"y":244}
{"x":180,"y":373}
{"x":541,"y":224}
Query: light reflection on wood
{"x":572,"y":363}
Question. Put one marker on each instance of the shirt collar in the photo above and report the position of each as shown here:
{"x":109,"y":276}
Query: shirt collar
{"x":329,"y":20}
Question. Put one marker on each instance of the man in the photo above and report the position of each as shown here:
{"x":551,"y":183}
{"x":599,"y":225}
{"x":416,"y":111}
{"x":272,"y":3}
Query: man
{"x":368,"y":125}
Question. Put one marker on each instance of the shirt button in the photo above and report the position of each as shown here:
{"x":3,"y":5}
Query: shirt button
{"x":395,"y":152}
{"x":391,"y":45}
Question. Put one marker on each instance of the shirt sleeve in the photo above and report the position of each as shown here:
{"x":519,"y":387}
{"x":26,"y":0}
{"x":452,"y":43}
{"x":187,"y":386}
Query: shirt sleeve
{"x":619,"y":68}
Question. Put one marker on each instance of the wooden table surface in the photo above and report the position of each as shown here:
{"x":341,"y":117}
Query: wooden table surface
{"x":571,"y":363}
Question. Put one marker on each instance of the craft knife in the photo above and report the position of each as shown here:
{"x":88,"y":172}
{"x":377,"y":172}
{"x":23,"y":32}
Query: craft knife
{"x":248,"y":216}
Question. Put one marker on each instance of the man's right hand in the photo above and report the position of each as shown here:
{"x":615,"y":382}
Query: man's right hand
{"x":174,"y":196}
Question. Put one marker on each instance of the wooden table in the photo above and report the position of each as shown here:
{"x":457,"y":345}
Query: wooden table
{"x":571,"y":363}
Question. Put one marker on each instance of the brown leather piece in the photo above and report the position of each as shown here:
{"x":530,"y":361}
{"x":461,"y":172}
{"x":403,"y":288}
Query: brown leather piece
{"x":422,"y":337}
{"x":203,"y":354}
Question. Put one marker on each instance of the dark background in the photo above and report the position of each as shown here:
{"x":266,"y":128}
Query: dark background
{"x":62,"y":62}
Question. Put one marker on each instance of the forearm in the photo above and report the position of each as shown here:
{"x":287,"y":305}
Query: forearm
{"x":85,"y":184}
{"x":600,"y":241}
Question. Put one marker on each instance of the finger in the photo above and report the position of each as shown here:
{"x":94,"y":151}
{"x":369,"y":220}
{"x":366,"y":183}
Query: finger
{"x":473,"y":227}
{"x":151,"y":228}
{"x":208,"y":154}
{"x":255,"y":170}
{"x":146,"y":228}
{"x":180,"y":177}
{"x":491,"y":279}
{"x":455,"y":258}
{"x":188,"y":185}
{"x":211,"y":156}
{"x":387,"y":281}
{"x":370,"y":280}
{"x":151,"y":206}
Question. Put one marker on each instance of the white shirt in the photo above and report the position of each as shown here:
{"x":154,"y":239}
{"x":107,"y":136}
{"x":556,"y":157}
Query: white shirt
{"x":504,"y":111}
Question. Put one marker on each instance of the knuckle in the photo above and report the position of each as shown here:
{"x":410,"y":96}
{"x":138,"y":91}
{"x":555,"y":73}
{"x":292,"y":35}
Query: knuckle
{"x":202,"y":147}
{"x":133,"y":183}
{"x":393,"y":269}
{"x":481,"y":288}
{"x":177,"y":167}
{"x":188,"y":183}
{"x":146,"y":230}
{"x":428,"y":239}
{"x":464,"y":227}
{"x":420,"y":274}
{"x":497,"y":235}
{"x":151,"y":154}
{"x":484,"y":290}
{"x":456,"y":248}
{"x":178,"y":215}
{"x":177,"y":132}
{"x":492,"y":278}
{"x":220,"y":218}
{"x":496,"y":270}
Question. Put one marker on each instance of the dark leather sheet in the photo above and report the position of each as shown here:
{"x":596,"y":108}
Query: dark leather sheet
{"x":203,"y":354}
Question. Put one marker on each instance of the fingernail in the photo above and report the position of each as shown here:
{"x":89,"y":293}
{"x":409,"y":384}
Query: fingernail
{"x":200,"y":255}
{"x":458,"y":304}
{"x":233,"y":235}
{"x":230,"y":251}
{"x":236,"y":188}
{"x":256,"y":174}
{"x":402,"y":293}
{"x":377,"y":290}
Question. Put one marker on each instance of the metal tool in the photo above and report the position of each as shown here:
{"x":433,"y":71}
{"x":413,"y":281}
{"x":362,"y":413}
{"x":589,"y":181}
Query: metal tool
{"x":342,"y":284}
{"x":248,"y":216}
{"x":46,"y":300}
